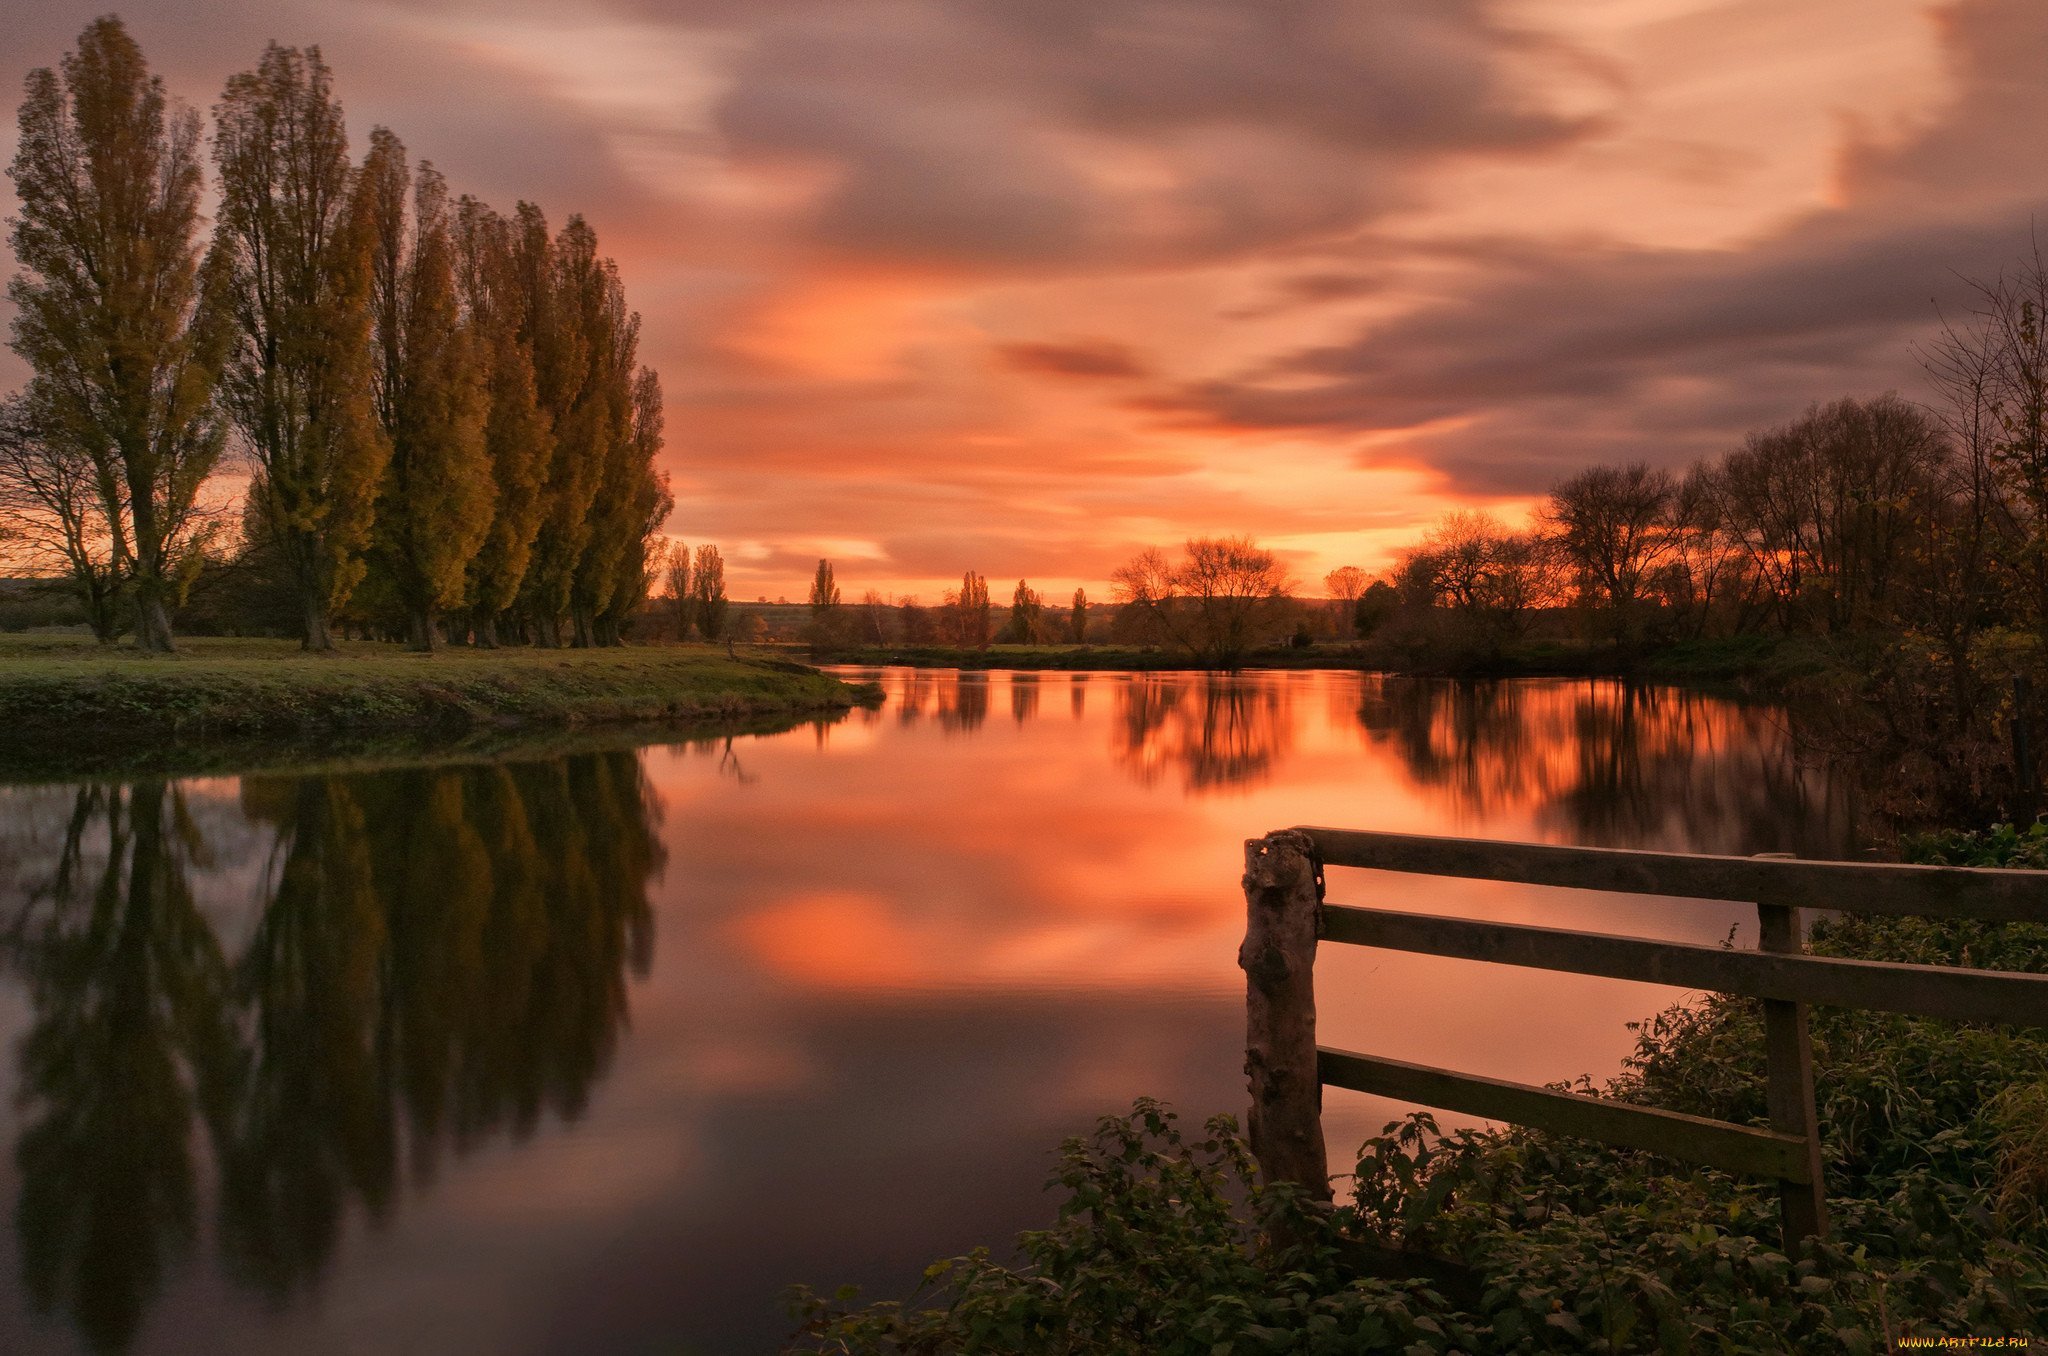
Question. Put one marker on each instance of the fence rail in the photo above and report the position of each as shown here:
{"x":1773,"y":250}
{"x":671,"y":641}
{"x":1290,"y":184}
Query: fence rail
{"x":1287,"y":916}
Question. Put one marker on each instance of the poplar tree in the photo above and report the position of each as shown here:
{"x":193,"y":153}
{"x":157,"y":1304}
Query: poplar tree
{"x":611,"y":521}
{"x":648,"y":501}
{"x":1025,"y":612}
{"x":548,"y":332}
{"x":1077,"y":619}
{"x":824,"y":592}
{"x":707,"y":589}
{"x":970,"y":611}
{"x":433,"y":506}
{"x":566,"y":283}
{"x":293,"y":248}
{"x":123,"y":335}
{"x":517,"y":437}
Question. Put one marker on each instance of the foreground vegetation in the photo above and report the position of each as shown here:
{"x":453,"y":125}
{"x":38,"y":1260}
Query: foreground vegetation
{"x":1937,"y":1163}
{"x":65,"y":698}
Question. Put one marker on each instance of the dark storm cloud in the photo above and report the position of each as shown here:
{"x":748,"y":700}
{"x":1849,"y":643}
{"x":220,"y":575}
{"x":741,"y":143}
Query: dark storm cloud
{"x":1548,"y":359}
{"x":1119,"y":130}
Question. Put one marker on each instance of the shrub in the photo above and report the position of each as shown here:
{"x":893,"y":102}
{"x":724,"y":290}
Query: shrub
{"x":1936,"y":1153}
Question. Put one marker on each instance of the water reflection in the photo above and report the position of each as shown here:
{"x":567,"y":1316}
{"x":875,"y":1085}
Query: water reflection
{"x":340,"y":1061}
{"x":132,"y":1039}
{"x":1608,"y":763}
{"x":1596,"y":762}
{"x":1212,"y":732}
{"x":438,"y":956}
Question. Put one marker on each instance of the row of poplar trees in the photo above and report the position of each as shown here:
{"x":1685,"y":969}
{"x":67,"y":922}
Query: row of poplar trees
{"x":441,"y":408}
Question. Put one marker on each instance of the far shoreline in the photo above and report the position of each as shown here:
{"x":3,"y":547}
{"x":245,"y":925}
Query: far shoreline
{"x":1762,"y":662}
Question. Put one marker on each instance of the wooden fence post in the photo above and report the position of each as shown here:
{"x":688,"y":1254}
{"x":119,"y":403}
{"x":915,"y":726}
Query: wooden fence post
{"x":1283,"y":903}
{"x":1788,"y":1063}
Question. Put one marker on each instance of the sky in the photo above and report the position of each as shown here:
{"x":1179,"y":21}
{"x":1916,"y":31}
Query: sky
{"x":1024,"y":286}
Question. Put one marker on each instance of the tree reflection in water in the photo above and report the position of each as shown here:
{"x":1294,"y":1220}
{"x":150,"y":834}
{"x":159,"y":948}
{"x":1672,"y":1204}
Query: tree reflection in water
{"x":1215,"y":731}
{"x":132,"y":1038}
{"x":1607,"y":762}
{"x":441,"y":957}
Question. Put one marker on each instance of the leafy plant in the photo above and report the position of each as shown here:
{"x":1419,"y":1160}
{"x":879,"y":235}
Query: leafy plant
{"x":1936,"y":1153}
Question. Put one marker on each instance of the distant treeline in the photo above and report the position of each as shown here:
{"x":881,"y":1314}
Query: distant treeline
{"x":440,"y":408}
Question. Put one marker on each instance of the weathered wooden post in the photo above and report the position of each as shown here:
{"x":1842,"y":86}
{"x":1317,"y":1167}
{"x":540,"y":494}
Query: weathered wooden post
{"x":1788,"y":1071}
{"x":1283,"y":904}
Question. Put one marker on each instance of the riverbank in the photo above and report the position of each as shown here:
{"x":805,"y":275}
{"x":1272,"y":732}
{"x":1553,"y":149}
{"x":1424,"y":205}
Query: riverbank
{"x":69,"y":704}
{"x":1762,"y":661}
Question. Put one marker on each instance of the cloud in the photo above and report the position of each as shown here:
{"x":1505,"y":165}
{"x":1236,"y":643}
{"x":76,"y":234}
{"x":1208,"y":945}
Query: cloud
{"x":1075,"y":358}
{"x":1072,"y":135}
{"x":1020,"y":287}
{"x":1547,"y":358}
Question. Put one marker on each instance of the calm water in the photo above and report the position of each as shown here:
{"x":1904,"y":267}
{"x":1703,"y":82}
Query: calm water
{"x":595,"y":1053}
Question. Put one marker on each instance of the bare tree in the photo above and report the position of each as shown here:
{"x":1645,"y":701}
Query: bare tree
{"x":874,"y":606}
{"x":1487,"y":577}
{"x":1346,"y":585}
{"x":1221,"y":600}
{"x":57,"y":519}
{"x":1613,"y":525}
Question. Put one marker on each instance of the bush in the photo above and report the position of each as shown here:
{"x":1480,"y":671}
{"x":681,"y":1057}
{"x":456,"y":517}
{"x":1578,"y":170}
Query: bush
{"x":1936,"y":1152}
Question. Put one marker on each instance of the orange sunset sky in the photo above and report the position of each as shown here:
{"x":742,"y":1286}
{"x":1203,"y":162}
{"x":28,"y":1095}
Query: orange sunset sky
{"x":1023,"y":285}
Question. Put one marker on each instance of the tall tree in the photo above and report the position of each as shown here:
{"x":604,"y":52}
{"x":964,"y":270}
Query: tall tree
{"x":292,"y":245}
{"x":969,"y":611}
{"x":123,"y":337}
{"x":1077,"y":618}
{"x":824,"y":593}
{"x":708,"y":588}
{"x":433,"y":505}
{"x":619,"y":401}
{"x":549,"y":327}
{"x":1026,"y":615}
{"x":517,"y":435}
{"x":577,"y":307}
{"x":644,"y":495}
{"x":675,"y":572}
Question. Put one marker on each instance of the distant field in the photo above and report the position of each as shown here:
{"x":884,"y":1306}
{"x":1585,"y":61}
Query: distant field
{"x":61,"y":692}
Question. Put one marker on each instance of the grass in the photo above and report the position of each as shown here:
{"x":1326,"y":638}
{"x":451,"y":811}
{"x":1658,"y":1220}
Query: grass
{"x":65,"y":702}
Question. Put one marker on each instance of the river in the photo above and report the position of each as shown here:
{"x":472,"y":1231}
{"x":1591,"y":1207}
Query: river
{"x":595,"y":1051}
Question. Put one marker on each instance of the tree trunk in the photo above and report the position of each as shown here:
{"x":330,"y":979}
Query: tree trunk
{"x":422,"y":635}
{"x":317,"y":638}
{"x":486,"y":631}
{"x":106,"y":619}
{"x":152,"y":624}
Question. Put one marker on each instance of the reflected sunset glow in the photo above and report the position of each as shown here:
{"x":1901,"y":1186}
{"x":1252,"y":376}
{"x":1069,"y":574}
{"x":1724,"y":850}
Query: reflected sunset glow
{"x":807,"y":1006}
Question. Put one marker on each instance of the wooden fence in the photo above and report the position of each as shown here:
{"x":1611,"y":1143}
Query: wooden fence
{"x":1287,"y":916}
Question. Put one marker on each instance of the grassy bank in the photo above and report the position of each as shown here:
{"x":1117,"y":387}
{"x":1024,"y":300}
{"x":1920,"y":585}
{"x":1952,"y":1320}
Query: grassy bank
{"x":1935,"y":1149}
{"x":67,"y":702}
